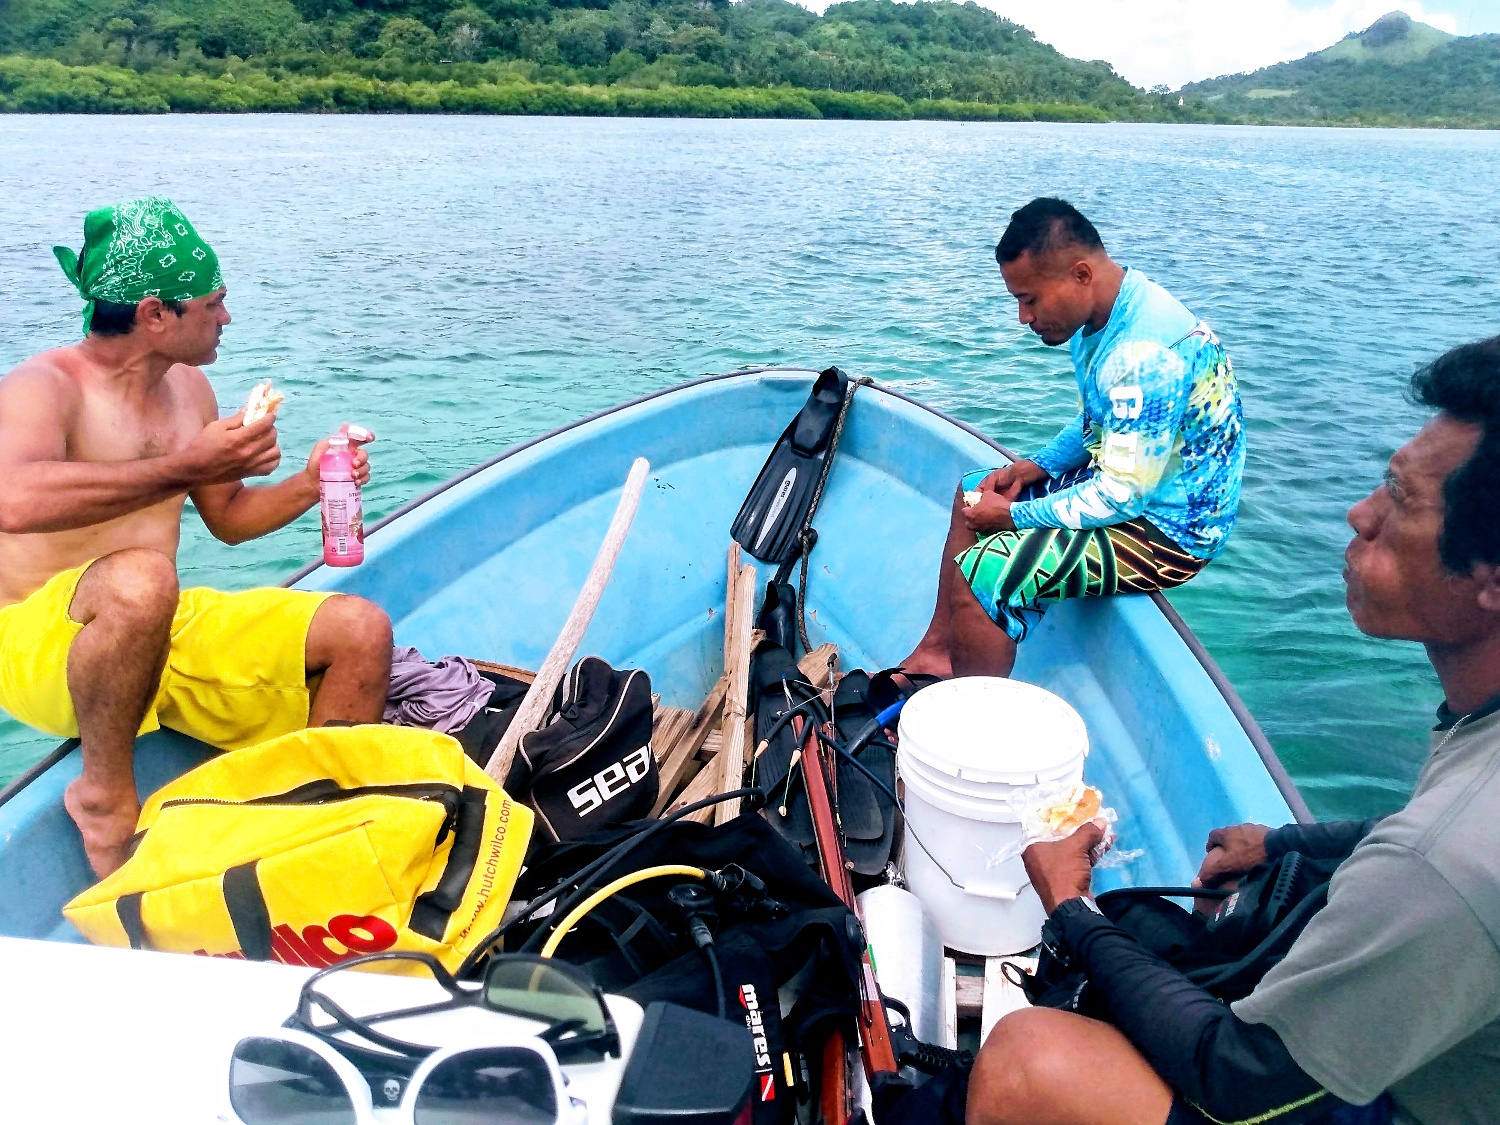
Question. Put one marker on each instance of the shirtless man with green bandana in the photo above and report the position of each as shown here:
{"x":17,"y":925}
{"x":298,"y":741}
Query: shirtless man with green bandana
{"x":101,"y":443}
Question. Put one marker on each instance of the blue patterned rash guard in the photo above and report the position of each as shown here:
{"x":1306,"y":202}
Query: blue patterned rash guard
{"x":1160,"y":424}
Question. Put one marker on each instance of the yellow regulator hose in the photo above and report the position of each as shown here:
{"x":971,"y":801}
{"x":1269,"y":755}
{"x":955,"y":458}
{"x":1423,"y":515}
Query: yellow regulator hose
{"x":577,"y":913}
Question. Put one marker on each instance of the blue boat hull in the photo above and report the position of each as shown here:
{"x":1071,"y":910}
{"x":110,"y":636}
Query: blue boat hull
{"x":488,"y":566}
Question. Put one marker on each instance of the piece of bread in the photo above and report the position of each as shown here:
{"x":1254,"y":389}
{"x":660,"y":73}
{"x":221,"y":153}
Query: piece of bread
{"x":262,"y":401}
{"x":1065,"y":817}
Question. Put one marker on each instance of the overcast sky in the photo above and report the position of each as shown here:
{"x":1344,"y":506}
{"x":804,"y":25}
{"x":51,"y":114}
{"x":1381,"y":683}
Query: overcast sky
{"x":1179,"y":41}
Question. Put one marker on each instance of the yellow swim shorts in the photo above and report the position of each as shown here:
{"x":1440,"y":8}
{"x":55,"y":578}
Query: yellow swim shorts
{"x":236,"y":672}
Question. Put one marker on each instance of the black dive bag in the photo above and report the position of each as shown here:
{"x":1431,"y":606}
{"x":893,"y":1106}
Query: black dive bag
{"x":590,"y":766}
{"x":780,"y":936}
{"x":485,"y":730}
{"x":1225,"y":953}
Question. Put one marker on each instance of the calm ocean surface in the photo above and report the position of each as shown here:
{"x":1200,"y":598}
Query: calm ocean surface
{"x":460,"y":284}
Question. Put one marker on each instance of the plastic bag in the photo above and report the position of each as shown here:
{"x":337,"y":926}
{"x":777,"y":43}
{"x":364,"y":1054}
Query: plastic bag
{"x":1054,"y":812}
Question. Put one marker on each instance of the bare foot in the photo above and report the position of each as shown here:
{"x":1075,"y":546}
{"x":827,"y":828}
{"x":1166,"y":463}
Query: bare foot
{"x":106,"y":821}
{"x":931,"y":660}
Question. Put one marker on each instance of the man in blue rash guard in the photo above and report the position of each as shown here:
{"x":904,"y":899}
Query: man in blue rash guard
{"x":1387,"y":1007}
{"x":1137,"y":494}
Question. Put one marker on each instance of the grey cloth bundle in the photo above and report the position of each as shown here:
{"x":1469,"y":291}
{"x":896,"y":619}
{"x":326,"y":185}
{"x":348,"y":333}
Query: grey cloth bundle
{"x":442,"y":695}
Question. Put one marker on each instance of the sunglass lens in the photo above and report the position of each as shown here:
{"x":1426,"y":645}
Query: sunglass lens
{"x":488,"y":1086}
{"x":272,"y":1082}
{"x":527,"y":988}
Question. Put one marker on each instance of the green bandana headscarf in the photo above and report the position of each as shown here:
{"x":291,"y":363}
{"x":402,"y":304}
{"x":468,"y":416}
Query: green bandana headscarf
{"x":143,"y":248}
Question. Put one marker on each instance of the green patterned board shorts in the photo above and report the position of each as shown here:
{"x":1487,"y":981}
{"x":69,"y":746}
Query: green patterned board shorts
{"x":1017,"y":574}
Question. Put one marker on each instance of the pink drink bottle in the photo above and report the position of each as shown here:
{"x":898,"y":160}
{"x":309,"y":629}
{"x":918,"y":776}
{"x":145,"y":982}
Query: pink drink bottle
{"x":343,"y":514}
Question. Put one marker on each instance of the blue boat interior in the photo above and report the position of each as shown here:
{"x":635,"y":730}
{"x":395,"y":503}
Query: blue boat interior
{"x":488,"y":567}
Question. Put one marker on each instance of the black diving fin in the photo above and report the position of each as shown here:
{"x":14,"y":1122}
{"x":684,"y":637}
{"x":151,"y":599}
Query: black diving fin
{"x":775,"y":509}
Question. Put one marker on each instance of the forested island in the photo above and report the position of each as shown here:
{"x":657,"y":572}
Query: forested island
{"x":1395,"y":72}
{"x":866,"y":58}
{"x":711,"y":58}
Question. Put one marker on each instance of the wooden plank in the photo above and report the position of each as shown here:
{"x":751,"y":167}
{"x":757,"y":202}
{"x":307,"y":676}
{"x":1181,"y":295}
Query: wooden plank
{"x":706,"y":784}
{"x":670,"y":723}
{"x":995,"y":998}
{"x":690,"y":771}
{"x":680,"y":730}
{"x":1001,"y":997}
{"x":756,"y":636}
{"x":711,"y":745}
{"x":731,"y":583}
{"x":747,"y":741}
{"x":968,"y":994}
{"x":815,"y":664}
{"x":667,"y":726}
{"x":666,"y":734}
{"x":948,"y":1005}
{"x":525,"y":675}
{"x":703,"y":727}
{"x":739,"y":629}
{"x":688,"y":742}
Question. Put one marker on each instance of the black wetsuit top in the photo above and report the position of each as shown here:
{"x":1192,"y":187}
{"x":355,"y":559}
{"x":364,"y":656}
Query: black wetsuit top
{"x":1228,"y":1069}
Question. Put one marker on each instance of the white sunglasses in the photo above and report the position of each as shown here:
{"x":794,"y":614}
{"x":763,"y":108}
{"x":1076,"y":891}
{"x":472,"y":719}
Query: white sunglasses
{"x":289,"y":1077}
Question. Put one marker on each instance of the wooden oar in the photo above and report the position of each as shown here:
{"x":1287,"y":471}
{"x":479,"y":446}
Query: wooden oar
{"x":550,"y":674}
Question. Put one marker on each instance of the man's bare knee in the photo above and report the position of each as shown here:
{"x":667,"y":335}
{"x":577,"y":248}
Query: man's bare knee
{"x":1041,"y":1065}
{"x":139,"y":584}
{"x":347,"y":626}
{"x":1011,"y":1071}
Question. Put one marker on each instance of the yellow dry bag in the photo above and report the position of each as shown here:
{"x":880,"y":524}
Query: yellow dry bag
{"x":316,"y":847}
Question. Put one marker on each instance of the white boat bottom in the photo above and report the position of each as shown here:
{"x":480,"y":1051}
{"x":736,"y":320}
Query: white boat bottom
{"x":977,"y":988}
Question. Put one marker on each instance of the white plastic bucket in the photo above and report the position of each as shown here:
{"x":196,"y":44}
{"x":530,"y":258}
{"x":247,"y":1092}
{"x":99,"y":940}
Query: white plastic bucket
{"x":970,"y":751}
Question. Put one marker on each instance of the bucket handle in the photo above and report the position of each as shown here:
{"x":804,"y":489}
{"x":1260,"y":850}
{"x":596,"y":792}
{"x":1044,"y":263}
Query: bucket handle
{"x":981,"y":889}
{"x":978,"y":889}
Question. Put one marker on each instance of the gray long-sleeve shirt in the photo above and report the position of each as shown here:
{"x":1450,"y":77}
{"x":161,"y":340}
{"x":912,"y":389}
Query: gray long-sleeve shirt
{"x":1395,"y":985}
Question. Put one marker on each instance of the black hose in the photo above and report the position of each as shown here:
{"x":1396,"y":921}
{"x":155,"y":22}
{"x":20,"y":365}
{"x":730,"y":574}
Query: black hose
{"x":867,"y":736}
{"x":864,"y":769}
{"x":589,"y":871}
{"x":781,"y":722}
{"x":713,"y":964}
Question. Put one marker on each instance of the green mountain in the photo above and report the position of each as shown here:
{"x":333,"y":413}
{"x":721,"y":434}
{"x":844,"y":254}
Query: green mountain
{"x":860,"y":58}
{"x":1394,"y":38}
{"x":1395,"y":72}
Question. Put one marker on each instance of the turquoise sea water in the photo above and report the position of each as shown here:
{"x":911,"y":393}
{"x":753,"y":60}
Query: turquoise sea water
{"x":460,"y":284}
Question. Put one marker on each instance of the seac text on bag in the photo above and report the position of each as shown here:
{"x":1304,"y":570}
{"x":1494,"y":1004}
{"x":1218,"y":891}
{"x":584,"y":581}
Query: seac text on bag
{"x":316,"y":847}
{"x":590,"y":765}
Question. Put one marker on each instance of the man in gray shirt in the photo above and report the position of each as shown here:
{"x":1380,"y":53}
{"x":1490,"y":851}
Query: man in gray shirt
{"x":1387,"y":1008}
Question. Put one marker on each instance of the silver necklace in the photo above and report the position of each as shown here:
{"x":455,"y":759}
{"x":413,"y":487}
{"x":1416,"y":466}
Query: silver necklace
{"x":1454,"y":728}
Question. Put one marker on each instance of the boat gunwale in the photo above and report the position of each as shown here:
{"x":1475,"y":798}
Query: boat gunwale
{"x":37,"y":768}
{"x":1252,"y":729}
